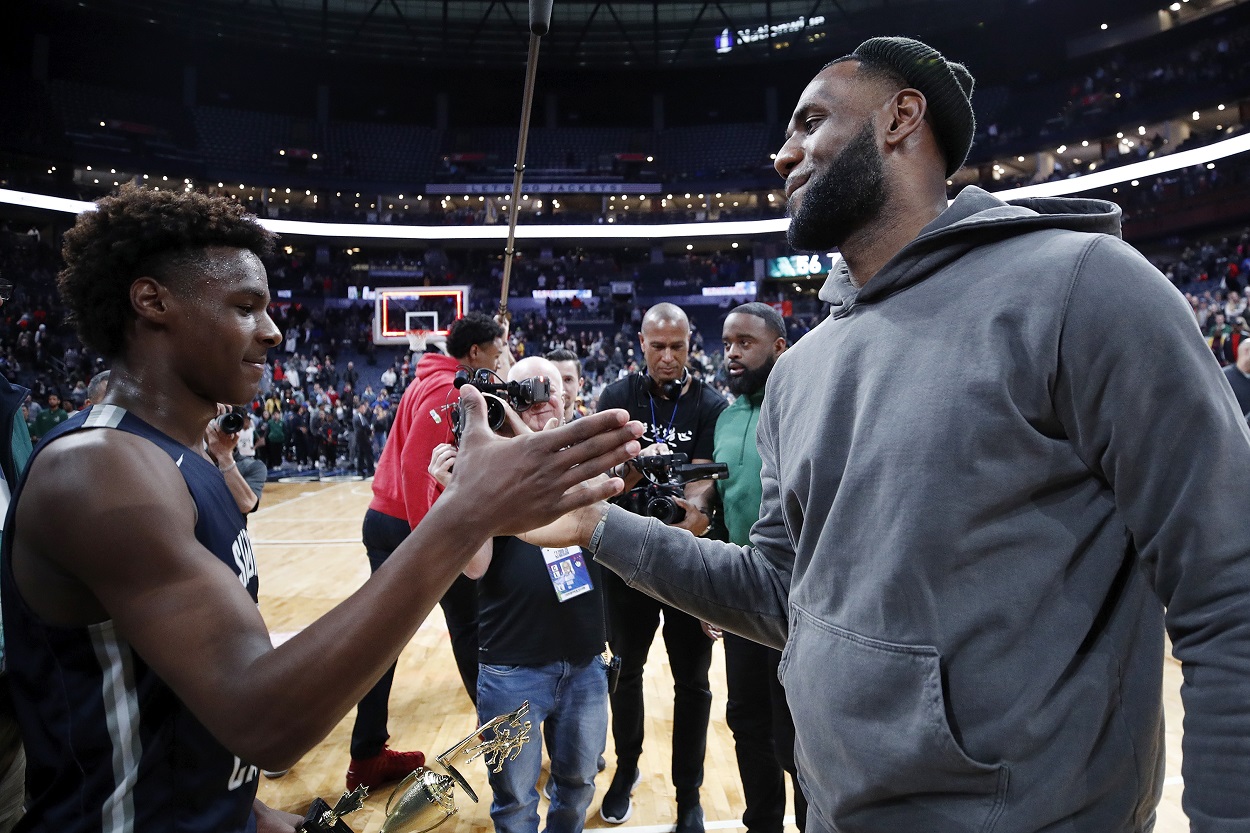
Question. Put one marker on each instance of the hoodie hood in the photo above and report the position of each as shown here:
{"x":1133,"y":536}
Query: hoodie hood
{"x":433,"y":363}
{"x":973,"y":219}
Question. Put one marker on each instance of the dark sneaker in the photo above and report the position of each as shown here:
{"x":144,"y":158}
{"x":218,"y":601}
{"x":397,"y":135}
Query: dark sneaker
{"x":690,"y":820}
{"x":618,"y":805}
{"x":382,"y":769}
{"x":274,"y":773}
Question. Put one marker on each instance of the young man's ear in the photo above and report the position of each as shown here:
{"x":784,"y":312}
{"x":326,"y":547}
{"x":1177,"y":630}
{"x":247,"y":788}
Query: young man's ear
{"x":149,"y":298}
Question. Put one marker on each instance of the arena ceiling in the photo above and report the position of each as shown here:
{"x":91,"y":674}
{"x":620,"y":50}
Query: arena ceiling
{"x":584,"y":33}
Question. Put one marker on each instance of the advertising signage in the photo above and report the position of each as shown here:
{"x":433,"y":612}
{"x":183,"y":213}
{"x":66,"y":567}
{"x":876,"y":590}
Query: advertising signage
{"x":803,"y":266}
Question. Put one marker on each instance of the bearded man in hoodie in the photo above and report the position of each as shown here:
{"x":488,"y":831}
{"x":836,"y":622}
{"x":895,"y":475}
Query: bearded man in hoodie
{"x":972,"y":539}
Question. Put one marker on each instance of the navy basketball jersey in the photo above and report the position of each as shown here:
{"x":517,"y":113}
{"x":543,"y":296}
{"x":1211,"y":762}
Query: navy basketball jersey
{"x":110,"y":748}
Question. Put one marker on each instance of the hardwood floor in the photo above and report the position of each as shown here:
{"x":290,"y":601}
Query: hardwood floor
{"x":308,"y":551}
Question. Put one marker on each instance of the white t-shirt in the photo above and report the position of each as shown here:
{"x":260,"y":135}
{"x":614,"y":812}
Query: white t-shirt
{"x":247,"y":441}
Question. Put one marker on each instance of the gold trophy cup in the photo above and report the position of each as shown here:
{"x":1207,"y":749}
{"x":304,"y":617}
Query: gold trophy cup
{"x":425,"y":798}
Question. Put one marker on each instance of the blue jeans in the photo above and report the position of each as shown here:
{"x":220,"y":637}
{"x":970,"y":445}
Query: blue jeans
{"x":570,"y":703}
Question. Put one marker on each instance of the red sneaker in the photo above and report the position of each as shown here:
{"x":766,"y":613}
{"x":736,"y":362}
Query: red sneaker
{"x":385,"y":768}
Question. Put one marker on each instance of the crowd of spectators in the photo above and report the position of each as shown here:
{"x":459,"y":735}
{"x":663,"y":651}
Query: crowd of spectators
{"x":1095,"y":97}
{"x":327,"y":396}
{"x":1147,"y":84}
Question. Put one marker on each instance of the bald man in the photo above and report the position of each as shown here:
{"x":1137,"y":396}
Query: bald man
{"x":540,"y":636}
{"x":679,"y":413}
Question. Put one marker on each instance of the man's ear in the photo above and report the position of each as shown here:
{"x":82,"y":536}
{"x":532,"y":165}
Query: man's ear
{"x":906,"y":112}
{"x":150,"y":299}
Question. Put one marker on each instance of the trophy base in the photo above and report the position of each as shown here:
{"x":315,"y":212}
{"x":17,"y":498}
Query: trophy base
{"x":315,"y":821}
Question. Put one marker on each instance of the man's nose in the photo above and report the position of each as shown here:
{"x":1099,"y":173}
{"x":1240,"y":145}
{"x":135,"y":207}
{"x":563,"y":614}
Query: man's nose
{"x":789,"y":156}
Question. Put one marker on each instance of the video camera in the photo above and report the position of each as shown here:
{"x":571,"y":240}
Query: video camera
{"x":233,"y":420}
{"x":666,"y":476}
{"x":520,"y":395}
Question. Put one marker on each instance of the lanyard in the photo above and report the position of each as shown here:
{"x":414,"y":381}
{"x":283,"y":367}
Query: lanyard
{"x":669,"y":430}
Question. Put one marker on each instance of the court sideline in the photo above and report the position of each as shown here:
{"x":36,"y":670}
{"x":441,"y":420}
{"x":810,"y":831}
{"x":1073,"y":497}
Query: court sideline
{"x":309,"y":555}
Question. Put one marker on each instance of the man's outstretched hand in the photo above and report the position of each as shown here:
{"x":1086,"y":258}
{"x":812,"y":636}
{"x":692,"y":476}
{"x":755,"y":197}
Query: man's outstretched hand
{"x":524,"y":482}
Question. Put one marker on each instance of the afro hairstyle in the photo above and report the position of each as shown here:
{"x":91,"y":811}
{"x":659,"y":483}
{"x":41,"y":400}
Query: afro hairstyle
{"x":137,"y":232}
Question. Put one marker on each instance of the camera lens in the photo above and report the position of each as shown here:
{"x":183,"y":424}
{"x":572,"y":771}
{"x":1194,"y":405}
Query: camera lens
{"x":231,"y":422}
{"x":666,"y":510}
{"x":495,"y":413}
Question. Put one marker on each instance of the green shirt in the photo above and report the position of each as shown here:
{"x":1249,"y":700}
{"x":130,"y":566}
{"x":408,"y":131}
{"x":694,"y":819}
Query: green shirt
{"x":48,"y":419}
{"x":741,"y":493}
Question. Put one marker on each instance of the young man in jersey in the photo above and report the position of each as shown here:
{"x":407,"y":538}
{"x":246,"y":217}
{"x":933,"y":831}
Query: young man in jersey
{"x":144,"y":680}
{"x":541,"y":632}
{"x":680,"y":414}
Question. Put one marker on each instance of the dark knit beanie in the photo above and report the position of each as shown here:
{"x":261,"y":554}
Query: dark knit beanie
{"x":947,"y":87}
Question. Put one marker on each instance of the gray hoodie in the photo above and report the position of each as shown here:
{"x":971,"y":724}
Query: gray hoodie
{"x":985,"y":476}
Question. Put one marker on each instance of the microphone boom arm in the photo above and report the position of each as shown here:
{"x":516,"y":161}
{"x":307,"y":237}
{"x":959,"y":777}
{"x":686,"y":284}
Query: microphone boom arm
{"x":527,"y":105}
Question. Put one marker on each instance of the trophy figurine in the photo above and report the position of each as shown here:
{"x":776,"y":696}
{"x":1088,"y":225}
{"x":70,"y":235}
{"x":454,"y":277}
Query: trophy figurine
{"x":425,"y":798}
{"x":322,"y":818}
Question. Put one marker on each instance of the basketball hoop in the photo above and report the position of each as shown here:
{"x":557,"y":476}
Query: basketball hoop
{"x":417,"y":339}
{"x":425,"y":341}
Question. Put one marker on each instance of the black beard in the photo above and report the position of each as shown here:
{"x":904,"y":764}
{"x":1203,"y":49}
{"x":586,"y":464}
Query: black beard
{"x":752,"y":379}
{"x":841,"y":199}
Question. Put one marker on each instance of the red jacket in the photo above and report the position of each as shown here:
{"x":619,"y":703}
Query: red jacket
{"x":402,"y":486}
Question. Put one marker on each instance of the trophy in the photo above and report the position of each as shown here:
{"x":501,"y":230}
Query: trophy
{"x":425,"y":798}
{"x":322,"y":818}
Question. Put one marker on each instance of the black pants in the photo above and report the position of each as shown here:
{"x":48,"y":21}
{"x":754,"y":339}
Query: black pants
{"x":364,"y":456}
{"x":382,"y":534}
{"x":763,"y":731}
{"x":632,"y":619}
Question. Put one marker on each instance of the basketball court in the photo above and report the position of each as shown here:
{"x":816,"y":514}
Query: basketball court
{"x":308,"y":551}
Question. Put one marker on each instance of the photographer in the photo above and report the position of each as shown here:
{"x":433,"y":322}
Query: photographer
{"x":540,"y":632}
{"x":403,"y":492}
{"x":680,"y":414}
{"x":245,"y":476}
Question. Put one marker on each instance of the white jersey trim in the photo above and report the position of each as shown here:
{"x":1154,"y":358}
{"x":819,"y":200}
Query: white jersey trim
{"x":104,"y":416}
{"x":121,"y":710}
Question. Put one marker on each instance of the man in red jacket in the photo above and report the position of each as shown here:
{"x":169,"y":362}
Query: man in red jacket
{"x":402,"y":494}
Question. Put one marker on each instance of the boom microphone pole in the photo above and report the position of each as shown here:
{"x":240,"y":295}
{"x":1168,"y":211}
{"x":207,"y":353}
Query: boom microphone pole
{"x":540,"y":22}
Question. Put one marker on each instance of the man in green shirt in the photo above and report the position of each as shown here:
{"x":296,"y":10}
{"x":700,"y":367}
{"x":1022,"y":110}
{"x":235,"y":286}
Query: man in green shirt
{"x":49,"y":418}
{"x":754,"y":335}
